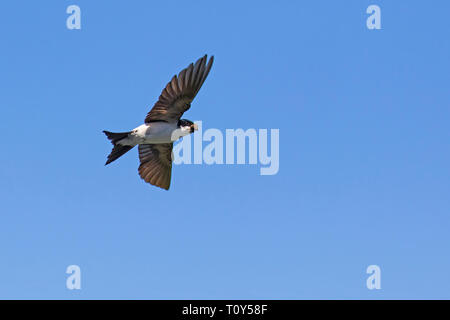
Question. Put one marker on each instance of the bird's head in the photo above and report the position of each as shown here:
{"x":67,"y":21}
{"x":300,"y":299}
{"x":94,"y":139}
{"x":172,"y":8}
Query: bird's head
{"x":187,"y":125}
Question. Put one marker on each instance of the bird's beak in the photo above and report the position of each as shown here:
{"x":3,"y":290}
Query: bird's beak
{"x":195,"y":126}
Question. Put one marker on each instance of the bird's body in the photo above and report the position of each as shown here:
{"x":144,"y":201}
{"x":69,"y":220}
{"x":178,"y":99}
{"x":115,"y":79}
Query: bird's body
{"x":163,"y":125}
{"x":154,"y":133}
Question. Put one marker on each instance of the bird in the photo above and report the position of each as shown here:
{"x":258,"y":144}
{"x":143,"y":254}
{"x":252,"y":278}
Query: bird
{"x":163,"y":125}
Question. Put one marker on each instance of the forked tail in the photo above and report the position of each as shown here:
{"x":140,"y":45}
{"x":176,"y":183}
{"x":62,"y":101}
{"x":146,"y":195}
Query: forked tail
{"x":118,"y":150}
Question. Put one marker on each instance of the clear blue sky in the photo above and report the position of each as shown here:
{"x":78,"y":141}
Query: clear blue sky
{"x":364,"y":151}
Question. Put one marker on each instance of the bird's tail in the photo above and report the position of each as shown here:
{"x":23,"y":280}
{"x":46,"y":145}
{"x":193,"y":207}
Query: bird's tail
{"x":118,"y":150}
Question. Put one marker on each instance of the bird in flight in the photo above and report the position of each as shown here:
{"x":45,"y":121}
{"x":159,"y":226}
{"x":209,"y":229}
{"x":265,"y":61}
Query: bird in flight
{"x":163,"y":125}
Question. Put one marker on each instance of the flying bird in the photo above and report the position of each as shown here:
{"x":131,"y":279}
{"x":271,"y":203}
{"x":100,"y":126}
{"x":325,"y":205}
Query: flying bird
{"x":163,"y":125}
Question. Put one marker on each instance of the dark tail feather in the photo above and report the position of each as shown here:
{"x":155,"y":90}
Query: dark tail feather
{"x":118,"y":149}
{"x":116,"y":136}
{"x":117,"y":152}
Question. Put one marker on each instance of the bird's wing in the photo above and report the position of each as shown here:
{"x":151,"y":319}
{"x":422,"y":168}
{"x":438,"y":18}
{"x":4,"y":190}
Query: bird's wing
{"x":178,"y":94}
{"x":156,"y":164}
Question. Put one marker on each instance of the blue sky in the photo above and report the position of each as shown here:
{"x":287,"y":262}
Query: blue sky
{"x":364,"y":151}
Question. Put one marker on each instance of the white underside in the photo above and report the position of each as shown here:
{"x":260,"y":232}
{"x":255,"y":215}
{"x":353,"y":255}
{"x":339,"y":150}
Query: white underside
{"x":155,"y":133}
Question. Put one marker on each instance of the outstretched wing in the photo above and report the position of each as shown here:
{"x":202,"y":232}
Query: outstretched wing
{"x":178,"y":94}
{"x":156,"y":164}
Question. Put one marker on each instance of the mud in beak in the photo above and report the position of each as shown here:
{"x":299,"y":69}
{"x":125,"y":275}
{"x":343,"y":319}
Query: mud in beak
{"x":194,"y":127}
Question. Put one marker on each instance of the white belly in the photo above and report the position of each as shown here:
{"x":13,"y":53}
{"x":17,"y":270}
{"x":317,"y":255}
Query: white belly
{"x":157,"y":132}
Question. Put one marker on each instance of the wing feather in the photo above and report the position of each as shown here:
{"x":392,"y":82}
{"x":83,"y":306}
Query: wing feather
{"x":156,"y":164}
{"x":181,"y":90}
